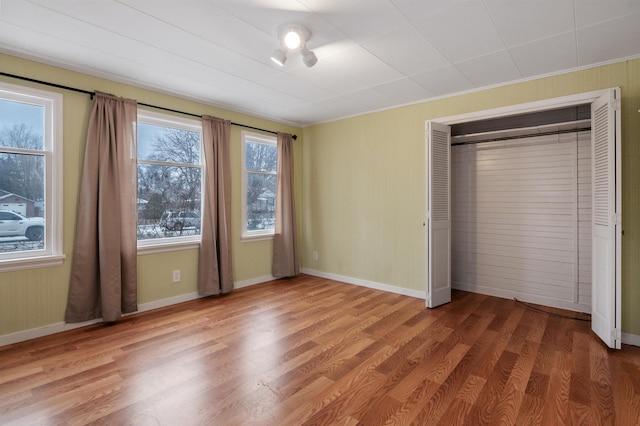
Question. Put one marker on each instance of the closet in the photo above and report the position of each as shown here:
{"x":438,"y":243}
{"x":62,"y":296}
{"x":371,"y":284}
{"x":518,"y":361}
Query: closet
{"x":525,"y":204}
{"x":521,"y":211}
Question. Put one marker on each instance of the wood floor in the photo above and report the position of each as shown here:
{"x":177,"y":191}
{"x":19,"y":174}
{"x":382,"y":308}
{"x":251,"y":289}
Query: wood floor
{"x":310,"y":351}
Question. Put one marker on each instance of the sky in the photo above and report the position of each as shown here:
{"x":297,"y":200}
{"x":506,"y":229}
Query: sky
{"x":147,"y":134}
{"x":12,"y":113}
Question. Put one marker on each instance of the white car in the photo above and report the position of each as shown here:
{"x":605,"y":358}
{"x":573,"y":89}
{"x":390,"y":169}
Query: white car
{"x":13,"y":224}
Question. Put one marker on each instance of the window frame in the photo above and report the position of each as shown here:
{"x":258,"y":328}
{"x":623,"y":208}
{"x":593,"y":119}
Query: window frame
{"x":52,"y":102}
{"x":183,"y":242}
{"x":247,"y":136}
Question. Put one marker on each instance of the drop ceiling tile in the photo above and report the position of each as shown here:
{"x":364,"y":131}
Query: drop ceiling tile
{"x":202,"y":52}
{"x":406,"y":50}
{"x":443,"y":81}
{"x":244,"y":103}
{"x":341,"y":106}
{"x":523,"y":21}
{"x":267,"y":17}
{"x":120,"y":19}
{"x":618,"y":38}
{"x":268,"y":95}
{"x":546,"y":56}
{"x":320,"y":113}
{"x":371,"y":98}
{"x":462,"y":32}
{"x":13,"y":37}
{"x":213,"y":24}
{"x":347,"y":71}
{"x":112,"y":67}
{"x":404,"y":91}
{"x":187,"y":54}
{"x":140,"y":27}
{"x":359,"y":19}
{"x":130,"y":72}
{"x":490,"y":69}
{"x":19,"y":13}
{"x":288,"y":83}
{"x":416,"y":10}
{"x":76,"y":32}
{"x":229,"y":6}
{"x":590,"y":12}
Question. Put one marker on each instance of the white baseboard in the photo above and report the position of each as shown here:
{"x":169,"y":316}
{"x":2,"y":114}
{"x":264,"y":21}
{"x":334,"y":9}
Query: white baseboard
{"x":143,"y":307}
{"x":631,"y":339}
{"x":33,"y":333}
{"x":46,"y":330}
{"x":369,"y":284}
{"x":254,"y":281}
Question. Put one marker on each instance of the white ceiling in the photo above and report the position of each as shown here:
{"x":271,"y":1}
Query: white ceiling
{"x":372,"y":54}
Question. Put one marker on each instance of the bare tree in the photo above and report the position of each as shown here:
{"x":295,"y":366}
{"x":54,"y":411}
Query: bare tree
{"x":264,"y":158}
{"x":179,"y":184}
{"x":261,"y":161}
{"x":22,"y":174}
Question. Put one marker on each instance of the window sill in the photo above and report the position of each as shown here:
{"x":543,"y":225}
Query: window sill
{"x":257,"y":237}
{"x":167,"y":246}
{"x":31,"y":262}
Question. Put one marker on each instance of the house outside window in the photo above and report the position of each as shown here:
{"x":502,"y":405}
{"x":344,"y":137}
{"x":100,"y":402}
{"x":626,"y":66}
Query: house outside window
{"x":30,"y":178}
{"x":259,"y":168}
{"x":170,"y":171}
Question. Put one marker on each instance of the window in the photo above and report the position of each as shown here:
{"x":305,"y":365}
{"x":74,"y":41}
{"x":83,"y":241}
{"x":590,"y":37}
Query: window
{"x":259,"y":166}
{"x":30,"y":178}
{"x":169,"y":179}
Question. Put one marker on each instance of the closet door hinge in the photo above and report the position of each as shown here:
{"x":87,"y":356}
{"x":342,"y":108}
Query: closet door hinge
{"x":615,"y":104}
{"x":615,"y":219}
{"x":616,"y":334}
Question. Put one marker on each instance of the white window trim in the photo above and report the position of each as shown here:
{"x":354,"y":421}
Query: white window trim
{"x":52,"y":254}
{"x":186,"y":242}
{"x":252,"y":235}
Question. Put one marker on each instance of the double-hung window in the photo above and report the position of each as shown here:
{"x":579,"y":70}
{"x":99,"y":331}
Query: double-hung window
{"x":30,"y":178}
{"x":170,"y":170}
{"x":259,"y":167}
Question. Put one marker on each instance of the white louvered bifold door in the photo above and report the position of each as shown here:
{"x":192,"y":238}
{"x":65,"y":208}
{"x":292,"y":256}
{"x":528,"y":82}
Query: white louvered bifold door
{"x":605,"y":296}
{"x":438,"y":214}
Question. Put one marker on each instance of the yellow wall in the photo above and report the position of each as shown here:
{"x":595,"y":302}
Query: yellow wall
{"x":35,"y":298}
{"x":359,"y":182}
{"x":364,"y":186}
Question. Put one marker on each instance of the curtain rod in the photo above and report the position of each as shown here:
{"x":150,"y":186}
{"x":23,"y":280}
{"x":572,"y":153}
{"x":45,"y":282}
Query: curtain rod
{"x":531,"y":135}
{"x":87,"y":92}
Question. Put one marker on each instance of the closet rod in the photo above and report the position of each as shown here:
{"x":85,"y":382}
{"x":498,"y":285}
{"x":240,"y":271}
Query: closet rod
{"x":87,"y":92}
{"x":506,"y":138}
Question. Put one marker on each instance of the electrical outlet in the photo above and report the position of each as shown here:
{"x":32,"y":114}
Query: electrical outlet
{"x":176,"y":276}
{"x":315,"y":255}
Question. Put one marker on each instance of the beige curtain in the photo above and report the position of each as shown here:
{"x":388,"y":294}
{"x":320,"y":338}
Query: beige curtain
{"x":104,"y":272}
{"x":285,"y":245}
{"x":215,"y":269}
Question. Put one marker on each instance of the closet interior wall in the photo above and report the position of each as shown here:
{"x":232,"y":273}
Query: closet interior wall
{"x":521,"y":219}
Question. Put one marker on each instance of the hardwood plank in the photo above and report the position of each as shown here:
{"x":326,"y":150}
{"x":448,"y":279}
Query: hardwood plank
{"x":530,"y":413}
{"x":308,"y":350}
